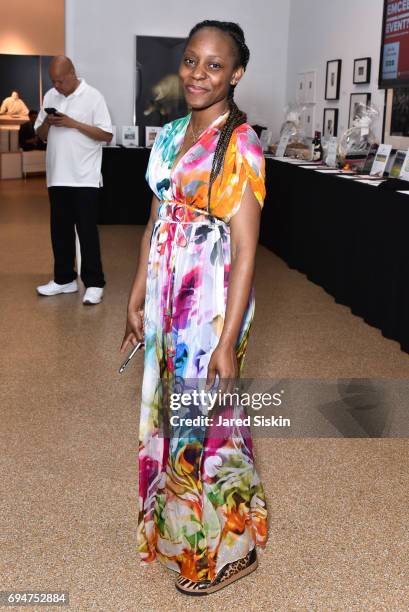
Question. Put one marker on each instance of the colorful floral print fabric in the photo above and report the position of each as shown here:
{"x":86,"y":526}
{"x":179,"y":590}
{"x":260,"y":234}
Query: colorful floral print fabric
{"x":201,"y":501}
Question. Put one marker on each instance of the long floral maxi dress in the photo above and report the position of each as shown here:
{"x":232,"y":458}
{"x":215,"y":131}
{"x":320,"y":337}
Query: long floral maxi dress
{"x":201,"y":501}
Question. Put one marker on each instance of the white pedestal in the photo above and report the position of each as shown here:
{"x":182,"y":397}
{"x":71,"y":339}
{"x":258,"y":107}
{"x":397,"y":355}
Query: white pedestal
{"x":4,"y":140}
{"x":10,"y":165}
{"x":14,"y":143}
{"x":33,"y":162}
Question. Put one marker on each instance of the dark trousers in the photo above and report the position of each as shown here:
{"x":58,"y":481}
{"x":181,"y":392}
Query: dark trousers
{"x":70,"y":207}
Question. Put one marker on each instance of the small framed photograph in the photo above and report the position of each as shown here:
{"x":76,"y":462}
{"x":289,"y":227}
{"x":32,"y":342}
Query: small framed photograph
{"x":362,"y":70}
{"x":310,"y":87}
{"x":308,"y":120}
{"x":300,"y":94}
{"x":150,"y":134}
{"x":330,"y":122}
{"x":381,"y":160}
{"x":397,"y":164}
{"x":404,"y":172}
{"x":130,"y":136}
{"x":354,"y":105}
{"x":333,"y":79}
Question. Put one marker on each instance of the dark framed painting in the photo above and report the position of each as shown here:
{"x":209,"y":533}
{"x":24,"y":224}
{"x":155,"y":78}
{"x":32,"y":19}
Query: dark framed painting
{"x":330,"y":122}
{"x":27,"y":75}
{"x":158,"y":91}
{"x":400,"y":112}
{"x":333,"y":79}
{"x":362,"y":70}
{"x":354,"y":104}
{"x":397,"y":118}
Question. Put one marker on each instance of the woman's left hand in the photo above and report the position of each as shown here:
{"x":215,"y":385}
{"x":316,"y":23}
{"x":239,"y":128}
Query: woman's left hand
{"x":223,"y":362}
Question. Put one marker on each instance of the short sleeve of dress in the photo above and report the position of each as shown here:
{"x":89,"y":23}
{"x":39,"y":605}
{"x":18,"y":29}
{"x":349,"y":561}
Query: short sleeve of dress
{"x":155,"y":157}
{"x":252,"y":159}
{"x":244,"y":162}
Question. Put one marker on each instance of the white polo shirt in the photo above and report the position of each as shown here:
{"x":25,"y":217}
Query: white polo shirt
{"x":73,"y":159}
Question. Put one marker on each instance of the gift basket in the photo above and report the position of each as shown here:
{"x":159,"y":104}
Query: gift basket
{"x":355,"y":143}
{"x":292,"y":127}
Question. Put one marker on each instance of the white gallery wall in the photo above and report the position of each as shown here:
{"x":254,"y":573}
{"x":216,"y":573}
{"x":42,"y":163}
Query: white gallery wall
{"x":322,"y":30}
{"x":285,"y":37}
{"x":100,"y":38}
{"x":32,"y":28}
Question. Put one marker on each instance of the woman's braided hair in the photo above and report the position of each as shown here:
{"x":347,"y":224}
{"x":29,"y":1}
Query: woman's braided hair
{"x":236,"y":116}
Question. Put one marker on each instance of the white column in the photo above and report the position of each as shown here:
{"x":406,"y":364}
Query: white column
{"x":69,"y":10}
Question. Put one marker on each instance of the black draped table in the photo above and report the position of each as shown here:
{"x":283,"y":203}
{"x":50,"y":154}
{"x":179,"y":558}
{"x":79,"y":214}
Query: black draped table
{"x":349,"y":238}
{"x":125,"y":196}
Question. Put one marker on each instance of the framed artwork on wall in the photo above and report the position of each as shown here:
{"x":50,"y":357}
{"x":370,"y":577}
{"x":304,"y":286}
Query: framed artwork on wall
{"x":330,"y":122}
{"x":355,"y":100}
{"x":397,"y":118}
{"x":306,"y":87}
{"x":362,"y":70}
{"x":333,"y":79}
{"x":310,"y":87}
{"x":308,"y":120}
{"x":158,"y":91}
{"x":27,"y":75}
{"x":300,"y":94}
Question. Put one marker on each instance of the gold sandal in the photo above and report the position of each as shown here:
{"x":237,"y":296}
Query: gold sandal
{"x":228,"y":574}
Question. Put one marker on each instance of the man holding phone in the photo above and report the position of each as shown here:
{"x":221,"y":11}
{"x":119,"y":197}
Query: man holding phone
{"x":75,"y":122}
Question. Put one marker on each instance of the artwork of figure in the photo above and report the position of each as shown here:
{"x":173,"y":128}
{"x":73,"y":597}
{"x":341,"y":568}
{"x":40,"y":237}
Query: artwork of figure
{"x":14,"y":105}
{"x":166,"y":97}
{"x":159,"y":97}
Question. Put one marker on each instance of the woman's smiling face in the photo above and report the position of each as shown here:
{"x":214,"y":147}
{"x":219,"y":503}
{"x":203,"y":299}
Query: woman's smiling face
{"x":208,"y":68}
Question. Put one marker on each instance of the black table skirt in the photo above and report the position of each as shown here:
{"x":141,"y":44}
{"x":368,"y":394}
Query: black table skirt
{"x":126,"y":196}
{"x":349,"y":238}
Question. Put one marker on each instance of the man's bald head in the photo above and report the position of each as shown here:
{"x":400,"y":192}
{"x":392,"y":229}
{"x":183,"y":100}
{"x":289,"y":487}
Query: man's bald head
{"x":62,"y":63}
{"x":62,"y":74}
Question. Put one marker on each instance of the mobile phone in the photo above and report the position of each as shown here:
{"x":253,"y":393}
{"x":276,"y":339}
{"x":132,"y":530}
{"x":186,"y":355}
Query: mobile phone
{"x":51,"y":111}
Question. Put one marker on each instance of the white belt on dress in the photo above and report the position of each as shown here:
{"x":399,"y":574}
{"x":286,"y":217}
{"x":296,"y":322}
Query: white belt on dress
{"x":215,"y":222}
{"x":212,"y":221}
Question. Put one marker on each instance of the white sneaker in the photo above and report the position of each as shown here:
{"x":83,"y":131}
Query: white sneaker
{"x":93,"y":295}
{"x":53,"y":288}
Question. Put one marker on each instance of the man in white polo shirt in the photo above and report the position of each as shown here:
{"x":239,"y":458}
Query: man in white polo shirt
{"x":75,"y":122}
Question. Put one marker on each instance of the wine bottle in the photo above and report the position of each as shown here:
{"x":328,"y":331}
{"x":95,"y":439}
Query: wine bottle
{"x":317,"y":151}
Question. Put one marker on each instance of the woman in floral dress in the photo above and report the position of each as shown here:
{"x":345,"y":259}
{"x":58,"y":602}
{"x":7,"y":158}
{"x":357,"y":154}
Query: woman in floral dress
{"x":202,"y":506}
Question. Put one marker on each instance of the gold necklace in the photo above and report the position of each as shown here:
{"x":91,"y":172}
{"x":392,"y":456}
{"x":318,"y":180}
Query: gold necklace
{"x":196,"y":137}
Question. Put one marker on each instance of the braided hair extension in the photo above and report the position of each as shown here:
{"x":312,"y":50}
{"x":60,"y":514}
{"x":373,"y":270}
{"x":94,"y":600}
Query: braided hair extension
{"x":236,"y":116}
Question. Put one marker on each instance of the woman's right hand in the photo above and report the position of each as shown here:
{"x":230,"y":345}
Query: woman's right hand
{"x":134,"y":331}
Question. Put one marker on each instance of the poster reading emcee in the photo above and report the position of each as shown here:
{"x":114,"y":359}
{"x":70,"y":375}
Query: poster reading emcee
{"x":396,"y":40}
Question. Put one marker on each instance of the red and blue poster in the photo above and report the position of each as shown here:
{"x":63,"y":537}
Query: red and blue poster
{"x":395,"y":60}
